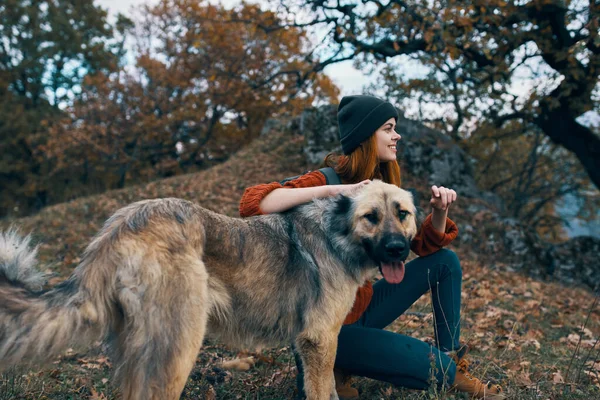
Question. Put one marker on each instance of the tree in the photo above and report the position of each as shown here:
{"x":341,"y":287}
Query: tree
{"x":514,"y":158}
{"x":203,"y":84}
{"x":532,"y":175}
{"x":46,"y":47}
{"x":482,"y":46}
{"x":507,"y":80}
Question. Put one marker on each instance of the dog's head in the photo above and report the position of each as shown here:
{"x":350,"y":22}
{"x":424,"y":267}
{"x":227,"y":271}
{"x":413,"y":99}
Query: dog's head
{"x":375,"y":226}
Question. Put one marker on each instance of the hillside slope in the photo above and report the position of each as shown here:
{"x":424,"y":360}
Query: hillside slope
{"x":539,"y":339}
{"x":63,"y":230}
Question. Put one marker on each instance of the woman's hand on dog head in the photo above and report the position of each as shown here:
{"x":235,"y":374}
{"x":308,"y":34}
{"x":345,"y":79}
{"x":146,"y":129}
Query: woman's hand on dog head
{"x":347,"y":189}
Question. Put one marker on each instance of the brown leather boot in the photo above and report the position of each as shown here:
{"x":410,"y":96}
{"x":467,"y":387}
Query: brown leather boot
{"x":342,"y":386}
{"x":465,"y":382}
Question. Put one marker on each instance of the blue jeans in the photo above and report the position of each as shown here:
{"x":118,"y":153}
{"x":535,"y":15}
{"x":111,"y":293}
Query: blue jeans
{"x":366,"y":349}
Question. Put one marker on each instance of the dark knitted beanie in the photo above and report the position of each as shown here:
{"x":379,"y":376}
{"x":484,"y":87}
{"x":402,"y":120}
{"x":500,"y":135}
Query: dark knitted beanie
{"x":359,"y":117}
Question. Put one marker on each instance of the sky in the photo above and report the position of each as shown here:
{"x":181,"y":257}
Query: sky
{"x":345,"y":76}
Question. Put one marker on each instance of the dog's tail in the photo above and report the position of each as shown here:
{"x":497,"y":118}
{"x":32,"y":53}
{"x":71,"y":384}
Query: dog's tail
{"x":36,"y":325}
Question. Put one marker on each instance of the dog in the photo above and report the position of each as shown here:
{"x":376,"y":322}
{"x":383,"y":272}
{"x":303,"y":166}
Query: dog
{"x":162,"y":274}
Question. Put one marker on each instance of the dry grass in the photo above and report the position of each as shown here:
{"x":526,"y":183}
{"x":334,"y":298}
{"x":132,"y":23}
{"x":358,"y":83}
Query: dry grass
{"x":525,"y":334}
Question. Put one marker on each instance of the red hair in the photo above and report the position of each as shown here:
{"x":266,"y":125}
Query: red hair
{"x":363,"y":163}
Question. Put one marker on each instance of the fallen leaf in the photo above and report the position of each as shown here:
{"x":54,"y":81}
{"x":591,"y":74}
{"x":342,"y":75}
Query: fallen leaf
{"x":211,"y":394}
{"x":557,"y":377}
{"x":97,"y":396}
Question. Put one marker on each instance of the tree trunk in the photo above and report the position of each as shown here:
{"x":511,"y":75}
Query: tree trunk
{"x":562,"y":128}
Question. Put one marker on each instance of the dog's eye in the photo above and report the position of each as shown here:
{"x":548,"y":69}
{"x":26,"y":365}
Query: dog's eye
{"x":372,"y":217}
{"x":402,"y":214}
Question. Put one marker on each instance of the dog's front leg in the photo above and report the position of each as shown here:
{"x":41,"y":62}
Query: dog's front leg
{"x":317,"y":353}
{"x":334,"y":395}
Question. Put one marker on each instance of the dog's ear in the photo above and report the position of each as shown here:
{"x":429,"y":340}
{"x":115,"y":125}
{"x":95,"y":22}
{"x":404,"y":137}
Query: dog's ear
{"x":415,"y":195}
{"x":340,"y":216}
{"x":342,"y":204}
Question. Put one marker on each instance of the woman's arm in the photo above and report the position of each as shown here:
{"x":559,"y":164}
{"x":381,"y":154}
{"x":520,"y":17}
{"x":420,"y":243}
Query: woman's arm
{"x":295,"y":192}
{"x":283,"y":199}
{"x":438,"y":219}
{"x":437,"y":231}
{"x":441,"y":199}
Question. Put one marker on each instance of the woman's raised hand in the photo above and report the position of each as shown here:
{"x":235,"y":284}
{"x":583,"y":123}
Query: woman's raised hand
{"x":442,"y":197}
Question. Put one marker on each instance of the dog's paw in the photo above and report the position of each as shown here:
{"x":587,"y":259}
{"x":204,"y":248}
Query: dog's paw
{"x":238,"y":364}
{"x":333,"y":395}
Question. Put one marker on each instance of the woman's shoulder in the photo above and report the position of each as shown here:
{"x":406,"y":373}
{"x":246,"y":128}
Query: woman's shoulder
{"x":308,"y":179}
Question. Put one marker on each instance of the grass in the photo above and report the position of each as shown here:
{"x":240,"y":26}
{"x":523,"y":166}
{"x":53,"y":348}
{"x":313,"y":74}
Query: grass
{"x":526,"y":334}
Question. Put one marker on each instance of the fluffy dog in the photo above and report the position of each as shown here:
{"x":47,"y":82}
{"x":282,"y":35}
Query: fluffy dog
{"x":162,"y":274}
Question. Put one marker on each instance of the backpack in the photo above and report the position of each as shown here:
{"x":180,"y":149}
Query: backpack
{"x":330,"y":177}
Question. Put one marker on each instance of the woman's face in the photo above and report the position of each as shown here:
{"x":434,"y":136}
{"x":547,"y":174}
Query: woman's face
{"x":387,"y":138}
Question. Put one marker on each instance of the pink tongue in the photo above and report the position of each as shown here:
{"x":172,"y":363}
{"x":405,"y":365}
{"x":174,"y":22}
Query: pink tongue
{"x":394,"y":272}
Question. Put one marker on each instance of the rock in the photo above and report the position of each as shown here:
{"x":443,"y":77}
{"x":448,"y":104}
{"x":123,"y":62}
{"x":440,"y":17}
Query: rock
{"x":431,"y":155}
{"x":494,"y":200}
{"x":576,"y":260}
{"x":514,"y":240}
{"x":273,"y":125}
{"x":320,"y":130}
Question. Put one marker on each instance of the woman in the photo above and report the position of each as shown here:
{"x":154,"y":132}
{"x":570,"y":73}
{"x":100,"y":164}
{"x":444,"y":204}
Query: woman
{"x":368,"y":138}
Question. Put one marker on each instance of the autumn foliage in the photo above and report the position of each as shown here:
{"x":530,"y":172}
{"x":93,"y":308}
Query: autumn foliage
{"x":100,"y":105}
{"x":203,"y":84}
{"x":94,"y":105}
{"x":47,"y":46}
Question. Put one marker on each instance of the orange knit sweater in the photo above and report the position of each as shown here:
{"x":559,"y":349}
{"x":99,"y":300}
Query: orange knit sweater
{"x":427,"y":241}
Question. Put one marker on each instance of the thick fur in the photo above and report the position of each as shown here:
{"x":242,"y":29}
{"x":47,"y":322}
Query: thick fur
{"x":163,"y":273}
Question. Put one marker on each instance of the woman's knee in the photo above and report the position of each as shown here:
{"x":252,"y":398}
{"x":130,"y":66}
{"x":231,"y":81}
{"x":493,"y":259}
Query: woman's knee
{"x":450,"y":260}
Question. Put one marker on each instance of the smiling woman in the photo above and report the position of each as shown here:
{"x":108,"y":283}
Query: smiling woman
{"x":387,"y":139}
{"x":367,"y":131}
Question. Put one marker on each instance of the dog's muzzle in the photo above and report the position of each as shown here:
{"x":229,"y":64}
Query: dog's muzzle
{"x":394,"y":251}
